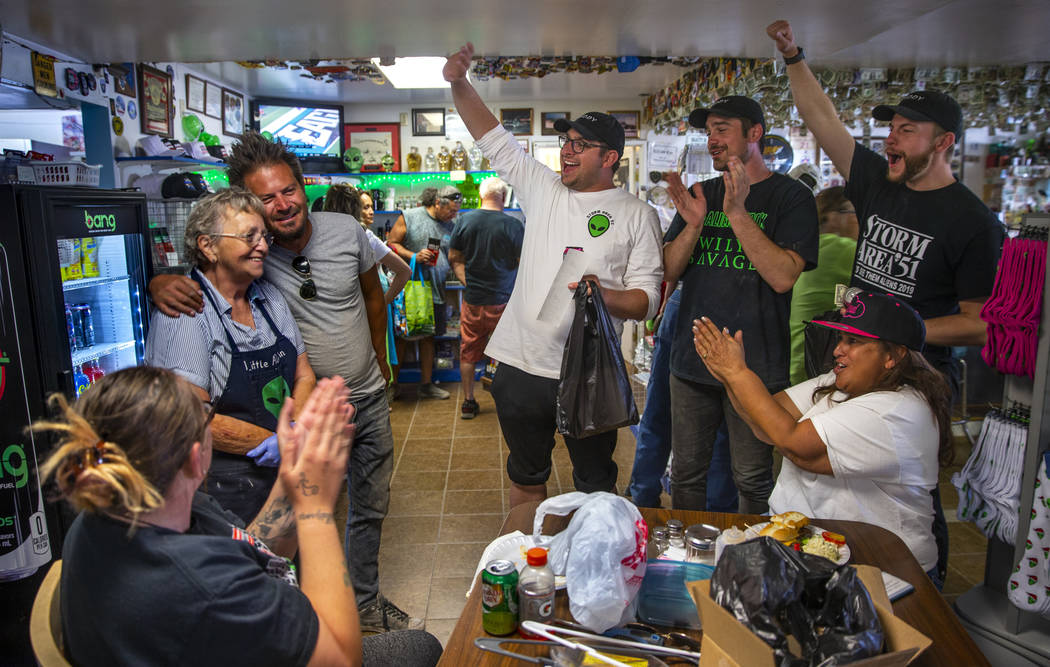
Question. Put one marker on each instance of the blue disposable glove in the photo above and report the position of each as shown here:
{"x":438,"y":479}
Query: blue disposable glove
{"x":267,"y":454}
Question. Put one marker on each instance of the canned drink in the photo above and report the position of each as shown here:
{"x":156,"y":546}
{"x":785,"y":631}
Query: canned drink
{"x":70,"y":329}
{"x":499,"y":597}
{"x":87,"y":321}
{"x":78,"y":328}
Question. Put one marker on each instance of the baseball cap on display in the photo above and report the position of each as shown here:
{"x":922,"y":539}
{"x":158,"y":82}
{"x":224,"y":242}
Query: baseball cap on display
{"x":596,"y":126}
{"x":880,"y":316}
{"x":925,"y":105}
{"x":449,"y":192}
{"x":731,"y":106}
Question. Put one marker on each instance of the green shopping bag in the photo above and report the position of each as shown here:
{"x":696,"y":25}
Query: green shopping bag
{"x":414,"y":317}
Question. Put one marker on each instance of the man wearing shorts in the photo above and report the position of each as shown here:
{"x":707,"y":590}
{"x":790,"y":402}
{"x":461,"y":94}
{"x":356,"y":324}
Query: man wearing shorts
{"x":484,"y":252}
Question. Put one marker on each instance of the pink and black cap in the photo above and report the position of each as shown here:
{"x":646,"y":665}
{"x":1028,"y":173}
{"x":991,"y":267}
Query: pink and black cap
{"x":880,"y":316}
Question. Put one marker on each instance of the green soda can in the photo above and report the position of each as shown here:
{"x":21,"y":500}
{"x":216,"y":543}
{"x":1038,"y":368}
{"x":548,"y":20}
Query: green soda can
{"x":499,"y":597}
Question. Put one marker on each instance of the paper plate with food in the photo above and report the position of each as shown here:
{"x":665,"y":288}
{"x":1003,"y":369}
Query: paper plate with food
{"x":794,"y":530}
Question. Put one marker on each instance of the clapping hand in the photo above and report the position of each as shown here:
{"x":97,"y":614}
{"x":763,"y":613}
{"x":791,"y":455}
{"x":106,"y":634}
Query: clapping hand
{"x":692,"y":207}
{"x":722,"y":353}
{"x":738,"y":185}
{"x":314,"y":451}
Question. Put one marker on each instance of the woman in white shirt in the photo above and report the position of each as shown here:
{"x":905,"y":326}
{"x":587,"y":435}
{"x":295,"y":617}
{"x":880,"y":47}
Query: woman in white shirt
{"x":862,"y":442}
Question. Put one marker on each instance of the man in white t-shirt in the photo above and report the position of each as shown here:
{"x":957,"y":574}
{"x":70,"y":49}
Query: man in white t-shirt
{"x":578,"y":209}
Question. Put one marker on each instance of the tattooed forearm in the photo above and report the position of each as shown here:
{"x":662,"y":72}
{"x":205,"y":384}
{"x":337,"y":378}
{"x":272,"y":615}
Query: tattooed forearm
{"x":323,"y":517}
{"x":275,"y":519}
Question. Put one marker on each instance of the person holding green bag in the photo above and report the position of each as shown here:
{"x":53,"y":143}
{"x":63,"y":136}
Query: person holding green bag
{"x":421,"y":235}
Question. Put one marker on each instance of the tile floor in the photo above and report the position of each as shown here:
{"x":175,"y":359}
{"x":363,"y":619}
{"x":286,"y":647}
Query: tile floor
{"x":449,"y":498}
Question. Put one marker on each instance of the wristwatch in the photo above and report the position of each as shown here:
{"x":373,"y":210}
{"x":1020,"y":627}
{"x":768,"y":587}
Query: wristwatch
{"x":798,"y":57}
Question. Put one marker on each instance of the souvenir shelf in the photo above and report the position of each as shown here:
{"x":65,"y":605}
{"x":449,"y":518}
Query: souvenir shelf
{"x":995,"y":623}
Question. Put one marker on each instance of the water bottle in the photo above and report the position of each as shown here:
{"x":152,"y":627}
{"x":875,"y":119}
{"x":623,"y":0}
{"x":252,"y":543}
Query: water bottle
{"x":535,"y":590}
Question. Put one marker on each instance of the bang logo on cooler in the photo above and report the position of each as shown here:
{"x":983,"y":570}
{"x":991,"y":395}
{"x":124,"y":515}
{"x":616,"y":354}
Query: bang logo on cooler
{"x":598,"y":222}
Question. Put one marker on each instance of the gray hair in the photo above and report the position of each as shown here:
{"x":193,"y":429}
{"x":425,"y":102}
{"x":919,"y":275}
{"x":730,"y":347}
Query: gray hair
{"x":209,"y":214}
{"x":491,"y":186}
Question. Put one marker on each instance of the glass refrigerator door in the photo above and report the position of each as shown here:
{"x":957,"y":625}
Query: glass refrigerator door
{"x":101,"y":278}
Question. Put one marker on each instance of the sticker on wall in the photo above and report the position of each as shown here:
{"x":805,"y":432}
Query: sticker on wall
{"x":133,"y":110}
{"x":171,"y":71}
{"x":72,"y":80}
{"x":120,"y":105}
{"x":118,"y":126}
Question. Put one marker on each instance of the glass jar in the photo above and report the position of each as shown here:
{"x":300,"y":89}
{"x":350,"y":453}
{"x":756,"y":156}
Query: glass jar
{"x":700,"y":543}
{"x":660,"y":539}
{"x":675,"y":533}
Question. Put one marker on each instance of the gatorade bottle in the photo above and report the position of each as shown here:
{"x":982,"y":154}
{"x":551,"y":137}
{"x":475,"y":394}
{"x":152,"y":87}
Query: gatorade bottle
{"x":80,"y":380}
{"x":535,"y":591}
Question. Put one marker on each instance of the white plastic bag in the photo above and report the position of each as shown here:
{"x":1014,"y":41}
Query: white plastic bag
{"x":601,"y":553}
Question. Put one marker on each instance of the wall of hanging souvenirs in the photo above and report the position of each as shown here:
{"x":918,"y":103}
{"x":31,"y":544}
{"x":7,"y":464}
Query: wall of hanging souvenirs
{"x":1006,"y":98}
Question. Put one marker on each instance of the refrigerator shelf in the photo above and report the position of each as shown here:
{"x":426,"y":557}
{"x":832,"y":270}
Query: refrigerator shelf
{"x":99,"y":351}
{"x":71,"y":285}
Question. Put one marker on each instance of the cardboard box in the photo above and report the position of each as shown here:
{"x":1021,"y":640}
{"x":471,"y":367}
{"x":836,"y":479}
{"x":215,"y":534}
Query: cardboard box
{"x":728,"y":643}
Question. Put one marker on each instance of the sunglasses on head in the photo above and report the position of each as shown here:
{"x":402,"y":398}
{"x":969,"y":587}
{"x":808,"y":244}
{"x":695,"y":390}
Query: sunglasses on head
{"x":454,"y":197}
{"x":301,"y":265}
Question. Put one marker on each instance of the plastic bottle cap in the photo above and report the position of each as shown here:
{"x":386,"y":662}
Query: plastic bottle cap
{"x":536,"y":556}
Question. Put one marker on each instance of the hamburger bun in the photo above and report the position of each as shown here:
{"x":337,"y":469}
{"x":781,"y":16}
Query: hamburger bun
{"x":779,"y":532}
{"x":793,"y":520}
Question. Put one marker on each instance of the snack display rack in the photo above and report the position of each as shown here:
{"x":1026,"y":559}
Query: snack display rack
{"x":1002,"y":630}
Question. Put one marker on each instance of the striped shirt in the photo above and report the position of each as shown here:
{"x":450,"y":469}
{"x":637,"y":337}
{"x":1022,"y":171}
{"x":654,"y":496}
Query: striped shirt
{"x":196,"y":348}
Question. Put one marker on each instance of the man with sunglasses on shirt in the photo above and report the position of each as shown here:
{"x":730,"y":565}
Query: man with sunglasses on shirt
{"x":323,"y":265}
{"x":414,"y":235}
{"x":578,"y":209}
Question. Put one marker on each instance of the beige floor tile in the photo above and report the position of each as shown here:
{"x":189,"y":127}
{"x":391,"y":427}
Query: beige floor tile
{"x":431,"y":428}
{"x":474,"y":479}
{"x":457,"y":560}
{"x":407,"y":561}
{"x":472,"y":502}
{"x":441,"y":628}
{"x":956,"y":583}
{"x":470,"y":528}
{"x":418,"y":481}
{"x":447,"y":597}
{"x":971,"y":567}
{"x":480,"y":460}
{"x":414,"y":502}
{"x":964,"y":538}
{"x":431,"y":446}
{"x":411,"y":596}
{"x":480,"y":425}
{"x":463,"y":444}
{"x":410,"y":529}
{"x":949,"y":500}
{"x":422,"y":462}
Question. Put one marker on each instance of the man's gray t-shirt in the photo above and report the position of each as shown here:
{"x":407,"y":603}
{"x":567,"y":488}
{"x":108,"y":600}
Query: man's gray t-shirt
{"x":334,"y":325}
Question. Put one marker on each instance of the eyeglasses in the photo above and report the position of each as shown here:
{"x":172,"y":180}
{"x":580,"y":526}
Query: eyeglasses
{"x":578,"y":145}
{"x":308,"y":290}
{"x":251,"y":238}
{"x":847,"y":211}
{"x":209,"y":412}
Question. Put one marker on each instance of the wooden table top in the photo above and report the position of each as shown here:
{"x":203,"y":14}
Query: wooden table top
{"x":924,"y":609}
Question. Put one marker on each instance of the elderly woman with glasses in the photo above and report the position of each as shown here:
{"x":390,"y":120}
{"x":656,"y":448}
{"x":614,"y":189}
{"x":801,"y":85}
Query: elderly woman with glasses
{"x":244,"y":353}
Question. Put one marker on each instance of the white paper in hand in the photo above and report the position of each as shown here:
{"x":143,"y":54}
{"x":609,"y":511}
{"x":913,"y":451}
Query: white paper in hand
{"x":573,"y":267}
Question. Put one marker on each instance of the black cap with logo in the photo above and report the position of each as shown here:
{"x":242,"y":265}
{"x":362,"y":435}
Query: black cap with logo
{"x":925,"y":105}
{"x":596,"y":126}
{"x":730,"y":106}
{"x":881,"y":316}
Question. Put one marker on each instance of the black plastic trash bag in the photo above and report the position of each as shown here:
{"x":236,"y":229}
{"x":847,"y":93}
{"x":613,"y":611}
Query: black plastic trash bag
{"x":819,"y":344}
{"x":776,"y":591}
{"x":594,"y":395}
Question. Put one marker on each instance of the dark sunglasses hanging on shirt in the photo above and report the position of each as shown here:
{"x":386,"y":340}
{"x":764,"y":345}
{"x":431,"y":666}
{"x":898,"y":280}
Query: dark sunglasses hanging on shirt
{"x":301,"y":265}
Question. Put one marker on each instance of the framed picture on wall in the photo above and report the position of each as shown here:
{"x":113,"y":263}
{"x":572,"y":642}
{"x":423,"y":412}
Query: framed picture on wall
{"x":547,"y":119}
{"x":629,"y":121}
{"x":516,"y":121}
{"x":212,"y":99}
{"x":232,"y":113}
{"x":428,"y":122}
{"x":194,"y":93}
{"x":375,"y":140}
{"x":155,"y":93}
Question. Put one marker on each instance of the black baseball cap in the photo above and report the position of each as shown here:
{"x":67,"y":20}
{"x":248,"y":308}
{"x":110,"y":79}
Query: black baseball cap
{"x":730,"y":106}
{"x":925,"y":105}
{"x":596,"y":126}
{"x":880,"y":316}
